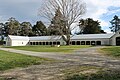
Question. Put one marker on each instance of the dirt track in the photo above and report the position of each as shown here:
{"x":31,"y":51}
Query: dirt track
{"x":53,"y":71}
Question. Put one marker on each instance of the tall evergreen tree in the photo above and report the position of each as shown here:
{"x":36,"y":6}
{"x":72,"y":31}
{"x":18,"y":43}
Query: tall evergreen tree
{"x":57,"y":26}
{"x":39,"y":29}
{"x":25,"y":29}
{"x":12,"y":27}
{"x":115,"y":22}
{"x":89,"y":26}
{"x":2,"y":31}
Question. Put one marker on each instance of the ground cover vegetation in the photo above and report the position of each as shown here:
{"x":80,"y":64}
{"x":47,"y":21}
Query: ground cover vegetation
{"x":112,"y":51}
{"x":10,"y":60}
{"x":49,"y":48}
{"x":96,"y":73}
{"x":99,"y":75}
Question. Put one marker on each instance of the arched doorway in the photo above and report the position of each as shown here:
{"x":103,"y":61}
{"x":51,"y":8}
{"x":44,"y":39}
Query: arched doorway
{"x":98,"y":42}
{"x":117,"y":41}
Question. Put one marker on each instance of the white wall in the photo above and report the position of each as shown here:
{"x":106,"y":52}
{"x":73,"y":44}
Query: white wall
{"x":16,"y":40}
{"x":19,"y":42}
{"x":8,"y":42}
{"x":113,"y":39}
{"x":103,"y":41}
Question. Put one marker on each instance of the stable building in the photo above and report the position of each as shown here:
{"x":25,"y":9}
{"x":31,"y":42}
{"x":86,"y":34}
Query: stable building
{"x":46,"y":40}
{"x":17,"y":40}
{"x":83,"y":39}
{"x":91,"y":39}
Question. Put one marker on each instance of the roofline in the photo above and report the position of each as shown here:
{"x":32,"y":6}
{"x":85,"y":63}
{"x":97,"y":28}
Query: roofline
{"x":90,"y":38}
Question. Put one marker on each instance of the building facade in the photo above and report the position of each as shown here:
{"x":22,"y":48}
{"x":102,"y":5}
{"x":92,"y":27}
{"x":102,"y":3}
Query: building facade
{"x":83,"y":39}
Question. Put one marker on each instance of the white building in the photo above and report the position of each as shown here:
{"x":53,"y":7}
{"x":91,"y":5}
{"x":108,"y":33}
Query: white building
{"x":17,"y":40}
{"x":83,"y":39}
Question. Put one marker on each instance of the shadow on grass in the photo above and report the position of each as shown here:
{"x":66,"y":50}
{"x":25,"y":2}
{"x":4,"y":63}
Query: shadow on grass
{"x":101,"y":75}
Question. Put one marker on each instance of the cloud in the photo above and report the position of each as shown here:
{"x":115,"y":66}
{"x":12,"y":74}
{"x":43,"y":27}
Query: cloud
{"x":112,"y":12}
{"x":102,"y":10}
{"x":103,"y":23}
{"x":26,"y":10}
{"x":96,"y":8}
{"x":22,"y":10}
{"x":108,"y":30}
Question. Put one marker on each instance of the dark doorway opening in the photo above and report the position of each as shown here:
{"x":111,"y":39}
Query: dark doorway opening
{"x":40,"y":43}
{"x":34,"y":43}
{"x":98,"y":42}
{"x":82,"y":42}
{"x":93,"y":43}
{"x":30,"y":43}
{"x":87,"y":42}
{"x":51,"y":43}
{"x":73,"y":42}
{"x":54,"y":43}
{"x":58,"y":43}
{"x":37,"y":43}
{"x":117,"y":41}
{"x":46,"y":43}
{"x":43,"y":43}
{"x":78,"y":42}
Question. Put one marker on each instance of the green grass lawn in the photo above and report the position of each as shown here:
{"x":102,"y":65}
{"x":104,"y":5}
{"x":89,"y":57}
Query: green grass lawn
{"x":112,"y":51}
{"x":100,"y":75}
{"x":91,"y":73}
{"x":49,"y":48}
{"x":12,"y":60}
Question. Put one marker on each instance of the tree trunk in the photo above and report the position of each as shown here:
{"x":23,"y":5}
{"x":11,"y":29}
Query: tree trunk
{"x":66,"y":38}
{"x":68,"y":42}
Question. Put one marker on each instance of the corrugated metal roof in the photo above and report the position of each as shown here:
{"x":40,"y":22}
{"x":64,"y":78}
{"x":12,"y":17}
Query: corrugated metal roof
{"x":54,"y":38}
{"x":19,"y":37}
{"x":45,"y":38}
{"x":92,"y":36}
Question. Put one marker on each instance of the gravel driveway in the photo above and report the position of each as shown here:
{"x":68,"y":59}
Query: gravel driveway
{"x":53,"y":71}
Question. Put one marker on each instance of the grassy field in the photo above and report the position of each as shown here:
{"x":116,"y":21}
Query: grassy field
{"x":112,"y":51}
{"x":100,"y":75}
{"x":91,"y":73}
{"x":11,"y":60}
{"x":49,"y":48}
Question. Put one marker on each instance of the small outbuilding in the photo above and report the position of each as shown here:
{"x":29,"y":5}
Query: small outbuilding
{"x":12,"y":40}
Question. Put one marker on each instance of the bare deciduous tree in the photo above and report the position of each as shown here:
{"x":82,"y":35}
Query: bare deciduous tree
{"x":71,"y":11}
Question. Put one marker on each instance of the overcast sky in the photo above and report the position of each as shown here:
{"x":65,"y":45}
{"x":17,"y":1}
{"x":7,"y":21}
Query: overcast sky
{"x":27,"y":10}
